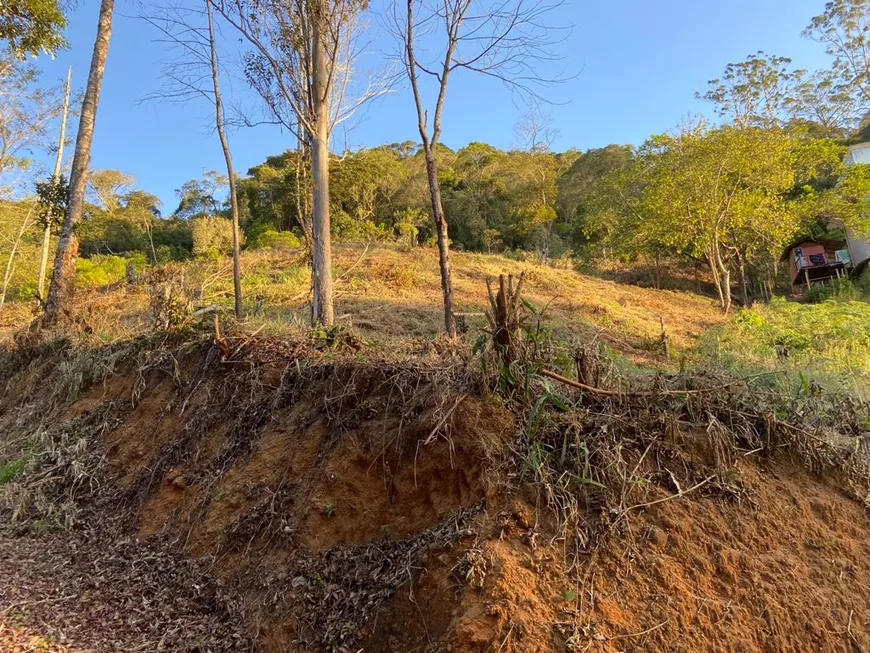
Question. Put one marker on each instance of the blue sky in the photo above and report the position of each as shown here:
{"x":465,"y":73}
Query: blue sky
{"x":640,"y":63}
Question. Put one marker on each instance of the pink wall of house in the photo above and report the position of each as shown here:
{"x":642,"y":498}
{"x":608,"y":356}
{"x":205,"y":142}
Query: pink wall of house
{"x":808,"y":249}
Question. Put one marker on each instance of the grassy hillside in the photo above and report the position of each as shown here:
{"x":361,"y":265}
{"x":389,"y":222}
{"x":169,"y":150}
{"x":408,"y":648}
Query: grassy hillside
{"x":389,"y":294}
{"x":825,"y":344}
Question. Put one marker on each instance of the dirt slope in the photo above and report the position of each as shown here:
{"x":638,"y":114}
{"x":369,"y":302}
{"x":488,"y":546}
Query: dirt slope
{"x":348,"y":505}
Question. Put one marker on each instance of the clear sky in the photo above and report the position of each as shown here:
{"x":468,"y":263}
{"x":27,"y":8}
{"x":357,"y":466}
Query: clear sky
{"x":640,"y":63}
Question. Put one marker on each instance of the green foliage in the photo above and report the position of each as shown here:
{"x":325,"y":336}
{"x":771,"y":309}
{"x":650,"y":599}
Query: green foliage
{"x":198,"y":197}
{"x":753,"y":93}
{"x":51,"y":197}
{"x":100,"y":270}
{"x":212,"y":236}
{"x":32,"y":26}
{"x":842,"y":290}
{"x":107,"y":186}
{"x":270,"y":239}
{"x":829,"y":341}
{"x":346,"y":228}
{"x":27,"y":111}
{"x":843,"y":29}
{"x":174,"y":238}
{"x":22,"y":281}
{"x":11,"y":469}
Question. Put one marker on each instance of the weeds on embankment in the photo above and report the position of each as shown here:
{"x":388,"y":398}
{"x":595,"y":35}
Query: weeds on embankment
{"x":603,"y":445}
{"x":811,"y":346}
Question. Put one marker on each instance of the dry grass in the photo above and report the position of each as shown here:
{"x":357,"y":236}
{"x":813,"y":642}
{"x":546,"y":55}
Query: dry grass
{"x":389,"y":295}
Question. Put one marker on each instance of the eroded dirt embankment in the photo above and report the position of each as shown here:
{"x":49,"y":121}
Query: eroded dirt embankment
{"x":357,"y":505}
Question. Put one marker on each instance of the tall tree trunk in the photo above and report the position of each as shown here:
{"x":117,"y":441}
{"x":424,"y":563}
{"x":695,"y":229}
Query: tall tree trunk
{"x":744,"y":284}
{"x":443,"y":239}
{"x":429,"y":149}
{"x":58,"y":162}
{"x":303,"y":193}
{"x":322,"y":307}
{"x":724,"y":281}
{"x":548,"y":239}
{"x":726,"y":288}
{"x":64,"y":272}
{"x":149,"y":229}
{"x":234,"y":199}
{"x":717,"y":281}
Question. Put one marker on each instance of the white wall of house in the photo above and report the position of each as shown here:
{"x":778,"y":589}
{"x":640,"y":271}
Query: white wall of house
{"x":859,"y":244}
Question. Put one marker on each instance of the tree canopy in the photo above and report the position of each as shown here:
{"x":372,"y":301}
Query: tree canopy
{"x":32,"y":26}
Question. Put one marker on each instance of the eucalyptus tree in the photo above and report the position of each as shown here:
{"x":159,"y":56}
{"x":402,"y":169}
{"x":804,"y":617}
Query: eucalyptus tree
{"x":501,"y":39}
{"x":196,"y":73}
{"x":766,"y":91}
{"x":754,"y":92}
{"x":824,"y":104}
{"x":301,"y":63}
{"x":843,"y":28}
{"x":63,"y":275}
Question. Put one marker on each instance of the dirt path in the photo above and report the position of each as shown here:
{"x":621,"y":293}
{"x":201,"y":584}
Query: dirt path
{"x":74,"y":593}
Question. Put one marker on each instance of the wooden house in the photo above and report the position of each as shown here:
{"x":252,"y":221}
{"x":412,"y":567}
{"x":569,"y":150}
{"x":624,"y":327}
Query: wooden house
{"x":815,"y":260}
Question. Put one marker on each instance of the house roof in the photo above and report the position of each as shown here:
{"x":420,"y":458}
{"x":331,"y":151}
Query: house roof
{"x":828,"y":243}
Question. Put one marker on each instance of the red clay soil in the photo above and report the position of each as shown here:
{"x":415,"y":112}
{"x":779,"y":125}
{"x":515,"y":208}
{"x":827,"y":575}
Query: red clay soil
{"x":341,"y":522}
{"x":786,"y":569}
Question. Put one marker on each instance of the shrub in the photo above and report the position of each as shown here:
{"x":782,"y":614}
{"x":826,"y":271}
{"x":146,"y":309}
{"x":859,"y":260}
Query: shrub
{"x":348,"y":229}
{"x":11,"y":470}
{"x":100,"y":270}
{"x":271,"y":239}
{"x":174,"y":234}
{"x":212,"y":235}
{"x":170,"y":253}
{"x":862,"y":283}
{"x":838,"y":289}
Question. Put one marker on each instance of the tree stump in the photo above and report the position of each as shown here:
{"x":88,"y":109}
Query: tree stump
{"x":505,"y":316}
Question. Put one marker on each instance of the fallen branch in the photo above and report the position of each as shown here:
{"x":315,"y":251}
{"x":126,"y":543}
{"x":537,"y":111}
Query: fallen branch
{"x":53,"y":599}
{"x":352,"y":267}
{"x":643,"y":632}
{"x":431,"y":438}
{"x":679,"y":494}
{"x":645,"y":393}
{"x":246,"y":341}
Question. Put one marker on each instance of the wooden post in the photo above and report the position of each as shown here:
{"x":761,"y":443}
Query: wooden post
{"x":664,"y":338}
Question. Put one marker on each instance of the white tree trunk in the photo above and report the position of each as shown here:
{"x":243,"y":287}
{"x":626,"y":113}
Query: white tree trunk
{"x":10,"y":263}
{"x":321,"y":246}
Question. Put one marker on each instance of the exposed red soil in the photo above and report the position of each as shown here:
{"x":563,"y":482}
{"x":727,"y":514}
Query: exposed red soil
{"x":310,"y":505}
{"x":787,"y":569}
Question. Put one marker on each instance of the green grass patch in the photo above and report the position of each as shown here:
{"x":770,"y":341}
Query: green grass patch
{"x":828,"y":343}
{"x":11,"y":469}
